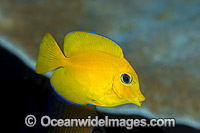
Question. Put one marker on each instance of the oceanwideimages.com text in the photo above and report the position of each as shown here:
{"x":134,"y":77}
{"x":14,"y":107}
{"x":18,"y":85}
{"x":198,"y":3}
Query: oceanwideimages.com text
{"x":46,"y":121}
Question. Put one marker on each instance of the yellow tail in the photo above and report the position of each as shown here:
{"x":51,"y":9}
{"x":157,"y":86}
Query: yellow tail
{"x":50,"y":56}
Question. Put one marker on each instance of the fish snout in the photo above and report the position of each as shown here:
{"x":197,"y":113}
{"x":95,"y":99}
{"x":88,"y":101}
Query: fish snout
{"x":138,"y":99}
{"x":140,"y":102}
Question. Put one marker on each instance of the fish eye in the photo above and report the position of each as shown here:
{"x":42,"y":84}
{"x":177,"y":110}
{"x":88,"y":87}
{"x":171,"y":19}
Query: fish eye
{"x":126,"y":78}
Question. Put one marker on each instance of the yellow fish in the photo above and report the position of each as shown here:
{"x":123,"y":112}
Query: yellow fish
{"x":92,"y":70}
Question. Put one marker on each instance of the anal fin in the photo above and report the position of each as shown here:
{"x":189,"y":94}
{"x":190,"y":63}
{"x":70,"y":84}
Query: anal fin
{"x":64,"y":84}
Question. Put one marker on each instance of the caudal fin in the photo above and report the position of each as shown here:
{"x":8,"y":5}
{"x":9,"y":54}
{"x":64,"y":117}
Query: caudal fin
{"x":50,"y":56}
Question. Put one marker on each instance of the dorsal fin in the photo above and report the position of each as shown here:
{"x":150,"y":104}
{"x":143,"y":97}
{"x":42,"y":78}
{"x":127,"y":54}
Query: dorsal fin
{"x":80,"y":41}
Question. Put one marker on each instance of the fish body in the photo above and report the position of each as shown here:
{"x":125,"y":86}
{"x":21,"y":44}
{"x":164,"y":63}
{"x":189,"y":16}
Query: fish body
{"x":91,"y":70}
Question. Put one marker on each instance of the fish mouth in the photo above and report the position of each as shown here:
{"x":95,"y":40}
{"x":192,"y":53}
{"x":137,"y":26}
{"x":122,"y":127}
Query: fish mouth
{"x":138,"y":101}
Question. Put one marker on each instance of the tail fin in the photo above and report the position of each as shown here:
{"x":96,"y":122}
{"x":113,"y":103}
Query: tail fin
{"x":50,"y":56}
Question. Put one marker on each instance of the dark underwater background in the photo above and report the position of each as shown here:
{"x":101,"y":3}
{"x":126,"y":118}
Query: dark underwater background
{"x":160,"y":39}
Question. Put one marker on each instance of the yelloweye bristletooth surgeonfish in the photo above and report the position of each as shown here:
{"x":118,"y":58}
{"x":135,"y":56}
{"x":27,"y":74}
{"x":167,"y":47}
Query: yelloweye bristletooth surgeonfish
{"x":92,"y":70}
